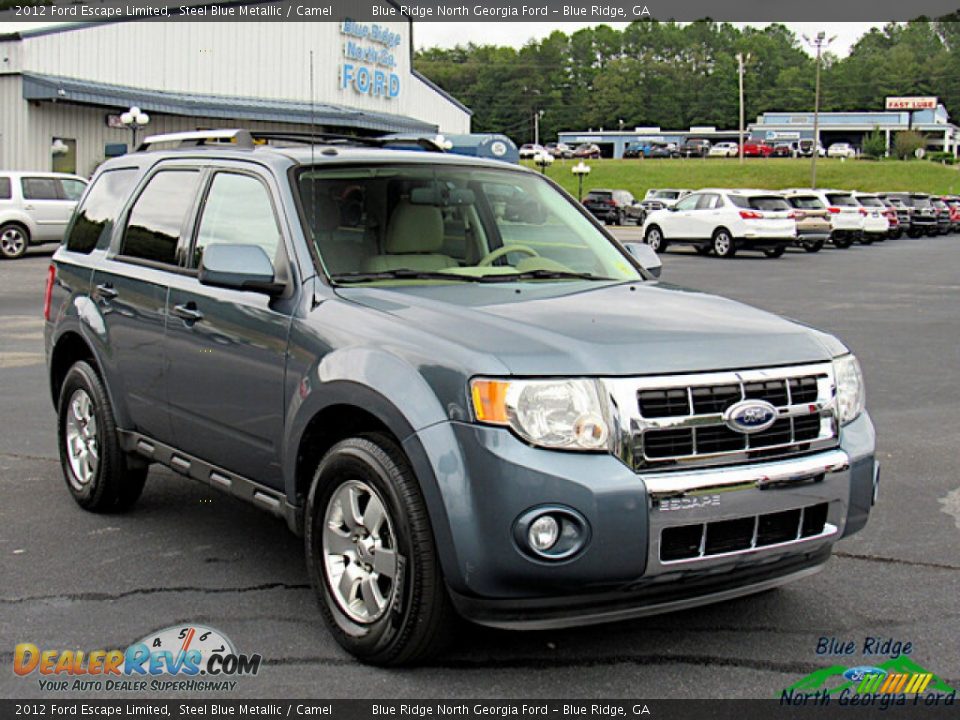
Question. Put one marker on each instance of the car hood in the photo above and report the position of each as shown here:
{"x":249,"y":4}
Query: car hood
{"x":576,"y":328}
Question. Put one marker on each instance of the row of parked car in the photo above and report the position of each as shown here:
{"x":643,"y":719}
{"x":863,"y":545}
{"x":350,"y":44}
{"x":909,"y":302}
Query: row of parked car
{"x":35,"y":208}
{"x":723,"y":221}
{"x":697,"y":147}
{"x":585,"y":151}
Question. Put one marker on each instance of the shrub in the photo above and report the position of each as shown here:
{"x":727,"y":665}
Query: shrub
{"x":875,"y":145}
{"x":906,"y":144}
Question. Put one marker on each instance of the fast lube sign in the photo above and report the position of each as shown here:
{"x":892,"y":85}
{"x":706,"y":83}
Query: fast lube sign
{"x":369,"y":61}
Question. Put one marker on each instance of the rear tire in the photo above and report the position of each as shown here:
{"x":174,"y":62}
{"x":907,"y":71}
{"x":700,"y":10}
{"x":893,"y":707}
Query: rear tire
{"x":775,"y":252}
{"x":654,"y":238}
{"x":14,"y":241}
{"x":371,"y":555}
{"x":99,"y":474}
{"x":842,"y":241}
{"x":722,"y":244}
{"x":812,"y":247}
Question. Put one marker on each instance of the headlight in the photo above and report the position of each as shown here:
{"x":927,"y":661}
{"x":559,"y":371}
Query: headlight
{"x":850,"y":393}
{"x":560,"y":414}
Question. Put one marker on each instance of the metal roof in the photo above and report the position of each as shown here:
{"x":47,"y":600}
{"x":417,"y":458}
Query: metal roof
{"x":83,"y":92}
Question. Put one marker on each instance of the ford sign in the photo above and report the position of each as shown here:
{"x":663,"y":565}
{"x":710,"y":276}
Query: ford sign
{"x":750,"y":416}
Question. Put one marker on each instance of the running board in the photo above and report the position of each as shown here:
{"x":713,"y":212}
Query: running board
{"x":263,"y":497}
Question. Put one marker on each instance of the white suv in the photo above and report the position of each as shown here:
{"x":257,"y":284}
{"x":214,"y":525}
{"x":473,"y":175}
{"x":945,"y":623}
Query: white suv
{"x":846,"y":215}
{"x":876,"y":225}
{"x":35,"y":208}
{"x":724,"y":221}
{"x":724,"y":149}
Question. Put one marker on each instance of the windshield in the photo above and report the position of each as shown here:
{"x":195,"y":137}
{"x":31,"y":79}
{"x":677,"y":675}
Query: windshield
{"x":920,"y":202}
{"x":421,"y":223}
{"x":807,"y":202}
{"x":598,"y":195}
{"x":666,"y":194}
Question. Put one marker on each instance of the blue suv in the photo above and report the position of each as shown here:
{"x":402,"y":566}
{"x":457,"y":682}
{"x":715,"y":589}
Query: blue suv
{"x":467,"y":397}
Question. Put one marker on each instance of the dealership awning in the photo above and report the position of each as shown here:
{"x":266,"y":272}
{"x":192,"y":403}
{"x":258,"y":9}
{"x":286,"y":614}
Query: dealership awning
{"x":116,"y":97}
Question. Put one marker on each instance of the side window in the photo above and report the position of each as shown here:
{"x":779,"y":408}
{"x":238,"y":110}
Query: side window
{"x":72,"y":189}
{"x":6,"y":188}
{"x":40,"y":188}
{"x":688,"y":203}
{"x":237,"y":211}
{"x":153,"y":228}
{"x":96,"y":216}
{"x":707,"y":202}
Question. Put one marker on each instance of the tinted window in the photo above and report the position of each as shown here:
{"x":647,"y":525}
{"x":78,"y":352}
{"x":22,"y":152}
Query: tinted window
{"x":40,"y":189}
{"x":807,"y":202}
{"x":598,"y":195}
{"x":237,"y":211}
{"x":6,"y":188}
{"x":770,"y":203}
{"x":153,"y":229}
{"x":920,"y":202}
{"x":841,"y":200}
{"x":869,"y":202}
{"x":72,"y":189}
{"x":96,"y":216}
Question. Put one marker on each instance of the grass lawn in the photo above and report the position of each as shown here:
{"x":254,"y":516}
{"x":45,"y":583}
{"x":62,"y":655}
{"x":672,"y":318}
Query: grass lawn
{"x":638,"y":176}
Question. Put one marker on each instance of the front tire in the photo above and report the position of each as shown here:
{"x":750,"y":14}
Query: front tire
{"x":723,"y":245}
{"x":98,"y":472}
{"x":842,"y":241}
{"x":371,"y":555}
{"x":654,"y":238}
{"x":775,"y":252}
{"x":14,"y":241}
{"x":813,"y":247}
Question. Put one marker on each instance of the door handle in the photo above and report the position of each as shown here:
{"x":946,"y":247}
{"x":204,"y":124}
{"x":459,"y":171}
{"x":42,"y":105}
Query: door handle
{"x":29,"y":207}
{"x":106,"y":291}
{"x":188,"y":312}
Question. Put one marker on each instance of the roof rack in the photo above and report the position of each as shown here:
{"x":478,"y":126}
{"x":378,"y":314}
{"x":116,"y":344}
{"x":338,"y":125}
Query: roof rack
{"x":241,"y":138}
{"x":246,"y":140}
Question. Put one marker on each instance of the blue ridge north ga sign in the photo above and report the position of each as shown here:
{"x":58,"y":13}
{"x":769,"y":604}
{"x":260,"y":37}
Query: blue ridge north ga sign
{"x":369,"y":60}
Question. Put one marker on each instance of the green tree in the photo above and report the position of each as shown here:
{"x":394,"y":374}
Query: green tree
{"x":906,"y":144}
{"x":875,"y":145}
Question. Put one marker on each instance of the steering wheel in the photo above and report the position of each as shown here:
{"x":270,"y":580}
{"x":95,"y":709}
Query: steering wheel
{"x":506,"y":250}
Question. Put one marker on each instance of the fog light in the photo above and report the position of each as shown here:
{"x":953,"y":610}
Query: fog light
{"x":543,"y":533}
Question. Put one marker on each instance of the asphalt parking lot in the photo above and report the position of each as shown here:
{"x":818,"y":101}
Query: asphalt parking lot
{"x":73,"y":580}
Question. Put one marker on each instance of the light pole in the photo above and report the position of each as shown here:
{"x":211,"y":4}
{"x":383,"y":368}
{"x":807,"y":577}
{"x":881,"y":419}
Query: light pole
{"x":819,"y":43}
{"x":741,"y":61}
{"x":536,"y":126}
{"x":134,"y":118}
{"x":543,"y":160}
{"x":580,"y":169}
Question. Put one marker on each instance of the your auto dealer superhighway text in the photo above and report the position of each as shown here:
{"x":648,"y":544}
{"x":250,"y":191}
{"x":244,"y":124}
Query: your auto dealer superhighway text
{"x":500,"y":12}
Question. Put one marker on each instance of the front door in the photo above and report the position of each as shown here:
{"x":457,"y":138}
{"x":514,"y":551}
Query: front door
{"x":227,"y":348}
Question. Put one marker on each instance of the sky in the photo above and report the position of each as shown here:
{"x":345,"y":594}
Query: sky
{"x":431,"y":34}
{"x":444,"y":34}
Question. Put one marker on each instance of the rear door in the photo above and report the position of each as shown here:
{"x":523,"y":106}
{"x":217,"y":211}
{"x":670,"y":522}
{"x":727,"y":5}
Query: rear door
{"x":44,"y":201}
{"x":227,"y":348}
{"x":130,"y":287}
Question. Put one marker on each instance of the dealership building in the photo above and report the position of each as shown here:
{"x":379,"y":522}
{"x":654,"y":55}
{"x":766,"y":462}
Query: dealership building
{"x":774,"y":127}
{"x":64,"y":90}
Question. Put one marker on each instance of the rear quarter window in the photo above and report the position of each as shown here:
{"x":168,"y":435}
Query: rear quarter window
{"x":6,"y":188}
{"x":95,"y":218}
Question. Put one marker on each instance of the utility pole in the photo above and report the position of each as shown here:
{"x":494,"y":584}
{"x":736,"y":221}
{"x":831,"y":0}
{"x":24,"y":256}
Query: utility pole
{"x":819,"y":43}
{"x":740,"y":63}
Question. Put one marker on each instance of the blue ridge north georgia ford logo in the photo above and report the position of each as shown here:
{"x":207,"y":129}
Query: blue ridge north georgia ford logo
{"x":750,"y":416}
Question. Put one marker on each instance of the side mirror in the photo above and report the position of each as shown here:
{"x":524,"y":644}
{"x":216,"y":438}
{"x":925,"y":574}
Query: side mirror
{"x":672,"y":208}
{"x":646,"y":256}
{"x":238,"y":267}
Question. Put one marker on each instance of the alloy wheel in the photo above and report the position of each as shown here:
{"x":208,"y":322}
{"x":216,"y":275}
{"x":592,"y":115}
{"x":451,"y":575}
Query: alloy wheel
{"x":360,"y":552}
{"x":13,"y":242}
{"x":83,"y":451}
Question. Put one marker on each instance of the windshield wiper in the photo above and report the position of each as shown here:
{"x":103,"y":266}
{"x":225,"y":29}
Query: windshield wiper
{"x":543,"y":275}
{"x":399,"y":274}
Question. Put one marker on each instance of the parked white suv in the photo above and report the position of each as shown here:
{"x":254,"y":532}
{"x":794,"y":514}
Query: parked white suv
{"x":35,"y":208}
{"x":876,"y":225}
{"x":531,"y":150}
{"x":724,"y":221}
{"x":724,"y":149}
{"x":846,"y":215}
{"x":841,"y":150}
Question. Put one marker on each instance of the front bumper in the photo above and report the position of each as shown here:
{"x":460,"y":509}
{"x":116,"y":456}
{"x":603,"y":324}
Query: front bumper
{"x":486,"y":479}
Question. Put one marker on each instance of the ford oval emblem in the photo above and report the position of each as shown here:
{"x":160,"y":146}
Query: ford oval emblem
{"x":750,"y":416}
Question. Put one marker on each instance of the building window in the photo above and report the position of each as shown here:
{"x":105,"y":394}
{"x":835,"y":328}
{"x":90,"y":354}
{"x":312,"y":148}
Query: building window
{"x":63,"y":151}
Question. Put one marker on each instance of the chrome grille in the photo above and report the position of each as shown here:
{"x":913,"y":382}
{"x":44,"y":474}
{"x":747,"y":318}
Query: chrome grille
{"x":677,"y":421}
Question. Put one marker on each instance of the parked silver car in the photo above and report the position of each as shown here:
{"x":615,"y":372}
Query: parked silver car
{"x":35,"y":208}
